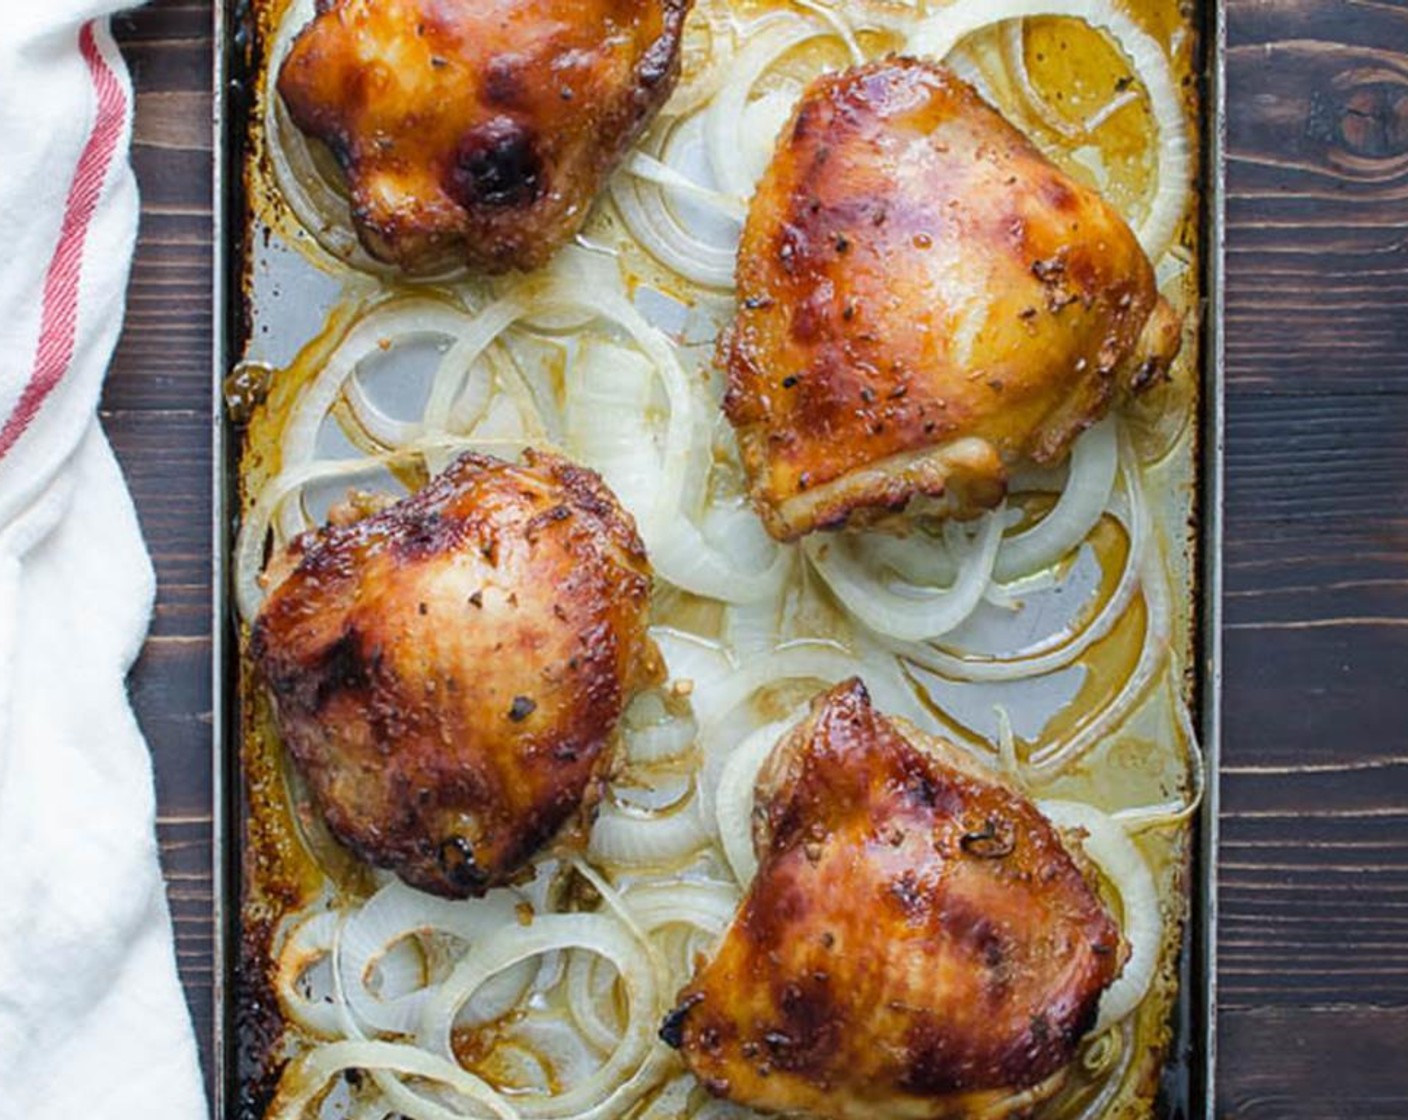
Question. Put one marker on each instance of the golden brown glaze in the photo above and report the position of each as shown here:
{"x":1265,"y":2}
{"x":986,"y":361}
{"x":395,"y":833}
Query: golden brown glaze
{"x":479,"y":130}
{"x":917,"y":943}
{"x":448,"y":672}
{"x":924,"y":300}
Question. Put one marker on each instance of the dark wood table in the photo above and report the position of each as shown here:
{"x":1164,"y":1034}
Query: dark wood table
{"x":1313,"y":975}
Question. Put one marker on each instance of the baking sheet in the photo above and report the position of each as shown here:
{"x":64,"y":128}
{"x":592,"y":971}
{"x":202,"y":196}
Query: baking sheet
{"x":284,"y":325}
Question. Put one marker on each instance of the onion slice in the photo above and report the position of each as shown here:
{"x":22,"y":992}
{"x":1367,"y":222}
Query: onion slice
{"x":1094,"y":463}
{"x":607,"y":427}
{"x":373,"y":333}
{"x":733,"y":800}
{"x":1052,"y":759}
{"x":734,"y":161}
{"x":616,"y":1082}
{"x":1123,"y":865}
{"x":310,"y":942}
{"x":397,"y":912}
{"x":620,"y":837}
{"x":307,"y":1076}
{"x":1050,"y":655}
{"x":906,"y":611}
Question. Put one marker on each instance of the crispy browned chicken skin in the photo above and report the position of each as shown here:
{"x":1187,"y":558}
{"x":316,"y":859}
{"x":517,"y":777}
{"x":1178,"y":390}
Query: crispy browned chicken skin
{"x":448,"y":672}
{"x":479,"y":130}
{"x":924,"y":300}
{"x":917,"y":942}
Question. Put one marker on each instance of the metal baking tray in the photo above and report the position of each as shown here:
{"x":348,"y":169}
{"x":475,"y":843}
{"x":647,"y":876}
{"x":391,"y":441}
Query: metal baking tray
{"x":1188,"y":1078}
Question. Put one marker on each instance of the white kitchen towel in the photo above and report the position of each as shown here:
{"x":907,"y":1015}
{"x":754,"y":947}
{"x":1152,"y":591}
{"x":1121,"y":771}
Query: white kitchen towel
{"x":92,"y":1018}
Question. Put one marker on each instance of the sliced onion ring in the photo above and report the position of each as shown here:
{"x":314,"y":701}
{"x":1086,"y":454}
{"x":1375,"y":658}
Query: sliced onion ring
{"x":1049,"y":655}
{"x":906,"y":611}
{"x":397,"y":912}
{"x":307,"y":1076}
{"x":1123,"y":865}
{"x":1094,"y":463}
{"x":727,"y":112}
{"x":619,"y":837}
{"x":616,"y":1083}
{"x":310,"y":942}
{"x":733,"y":800}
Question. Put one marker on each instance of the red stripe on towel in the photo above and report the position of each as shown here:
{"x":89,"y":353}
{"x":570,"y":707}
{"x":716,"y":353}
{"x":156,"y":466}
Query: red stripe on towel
{"x":58,"y":322}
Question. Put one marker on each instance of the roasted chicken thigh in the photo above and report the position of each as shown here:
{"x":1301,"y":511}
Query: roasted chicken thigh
{"x":924,"y":301}
{"x":917,"y":943}
{"x":448,"y":672}
{"x":479,"y":130}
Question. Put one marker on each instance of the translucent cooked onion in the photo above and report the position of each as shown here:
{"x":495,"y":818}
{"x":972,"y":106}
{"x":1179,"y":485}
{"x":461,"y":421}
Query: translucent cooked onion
{"x":590,"y":994}
{"x":733,"y":800}
{"x":609,"y":427}
{"x":377,"y":331}
{"x":386,"y":431}
{"x":307,"y":1076}
{"x":651,"y":170}
{"x":666,"y":237}
{"x":1094,"y":462}
{"x":719,"y":699}
{"x":309,"y":944}
{"x":738,"y":156}
{"x":1042,"y":657}
{"x":671,"y":1102}
{"x":471,"y":342}
{"x":687,"y":560}
{"x":1052,"y":758}
{"x":675,"y":211}
{"x":940,"y":32}
{"x":695,"y":664}
{"x":701,"y":907}
{"x":397,"y":912}
{"x":920,"y":557}
{"x":320,"y":206}
{"x":704,"y":904}
{"x":1055,"y":653}
{"x":836,"y":19}
{"x":1014,"y":37}
{"x":615,"y":1083}
{"x":907,"y":611}
{"x":681,"y":443}
{"x":1106,"y":1056}
{"x":655,"y":731}
{"x":1141,"y":920}
{"x":647,"y":839}
{"x":707,"y":48}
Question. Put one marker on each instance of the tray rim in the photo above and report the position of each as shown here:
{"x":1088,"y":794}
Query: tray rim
{"x":1211,"y":481}
{"x":221,"y":914}
{"x":1197,"y":1002}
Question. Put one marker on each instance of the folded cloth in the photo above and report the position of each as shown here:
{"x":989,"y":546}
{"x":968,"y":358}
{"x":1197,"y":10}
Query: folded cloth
{"x":92,"y":1019}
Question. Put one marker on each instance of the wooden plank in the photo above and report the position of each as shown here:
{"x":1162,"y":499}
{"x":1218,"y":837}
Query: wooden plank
{"x":1318,"y":176}
{"x":1314,"y":1063}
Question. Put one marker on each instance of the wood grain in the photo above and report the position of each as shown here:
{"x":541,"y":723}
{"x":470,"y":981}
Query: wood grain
{"x":1313,"y":980}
